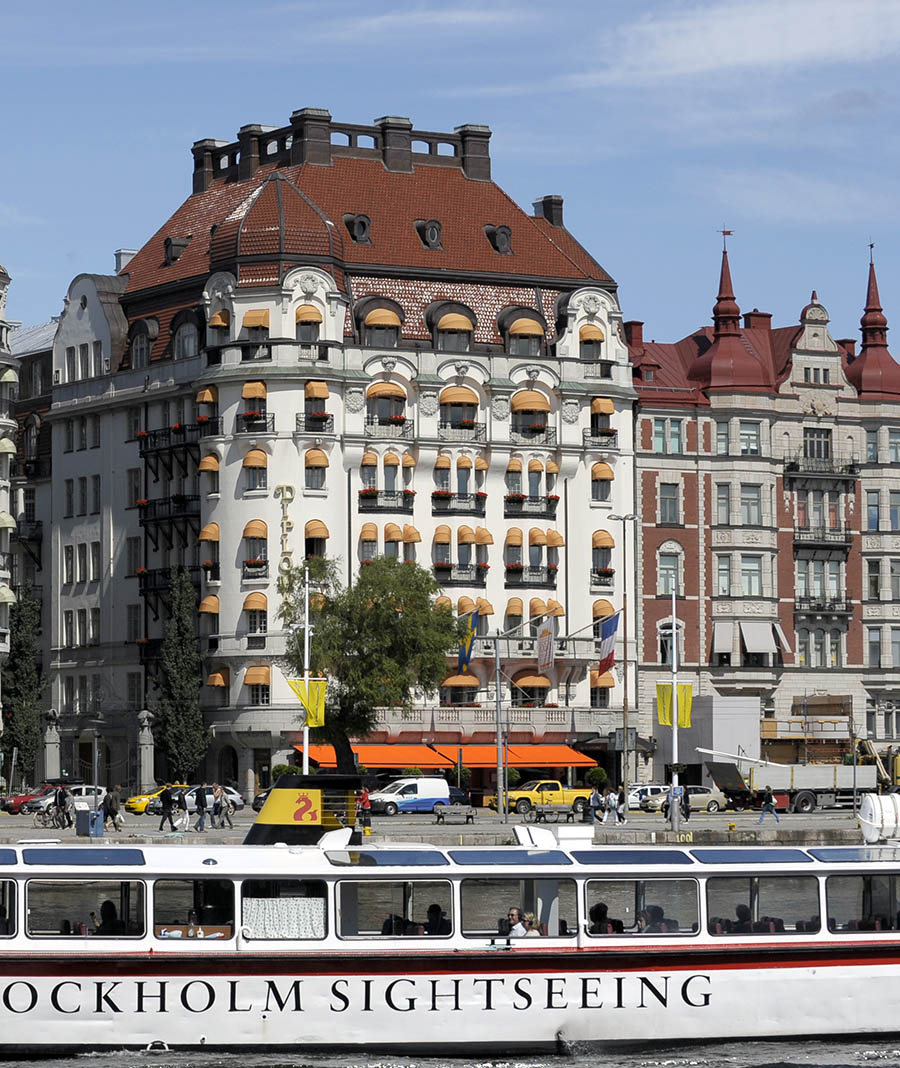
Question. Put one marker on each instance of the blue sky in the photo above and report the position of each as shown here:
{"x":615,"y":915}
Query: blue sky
{"x":658,"y":122}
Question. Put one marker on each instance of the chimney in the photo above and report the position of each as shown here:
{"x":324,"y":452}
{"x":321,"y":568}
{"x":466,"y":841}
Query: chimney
{"x":848,"y":343}
{"x":634,"y":333}
{"x":757,"y":320}
{"x":311,"y":132}
{"x":203,"y":163}
{"x":124,"y":256}
{"x":396,"y":142}
{"x":476,"y":154}
{"x":550,"y":208}
{"x":248,"y":139}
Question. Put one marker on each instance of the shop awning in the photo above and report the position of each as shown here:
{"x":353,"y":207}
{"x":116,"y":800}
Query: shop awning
{"x":316,"y":391}
{"x":254,"y":391}
{"x":548,"y":756}
{"x":383,"y":756}
{"x":529,"y":400}
{"x":207,"y":395}
{"x":307,"y":313}
{"x":459,"y":395}
{"x":601,"y":679}
{"x":758,"y":636}
{"x":781,"y":637}
{"x":722,"y":636}
{"x":473,"y":756}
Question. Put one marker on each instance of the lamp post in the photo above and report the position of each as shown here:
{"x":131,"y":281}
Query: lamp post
{"x":624,"y":519}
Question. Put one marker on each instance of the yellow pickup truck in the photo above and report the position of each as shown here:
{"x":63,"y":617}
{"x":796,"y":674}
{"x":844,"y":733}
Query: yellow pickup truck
{"x":539,"y":792}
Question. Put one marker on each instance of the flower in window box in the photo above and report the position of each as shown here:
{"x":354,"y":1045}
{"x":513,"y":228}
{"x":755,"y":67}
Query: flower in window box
{"x":178,"y":497}
{"x":396,"y":420}
{"x":514,"y":498}
{"x":605,"y":572}
{"x":201,"y":419}
{"x":464,"y":424}
{"x":606,"y":432}
{"x":483,"y":566}
{"x":553,"y":568}
{"x":368,"y":560}
{"x":176,"y":427}
{"x":368,"y":491}
{"x":250,"y":415}
{"x":140,"y":641}
{"x":140,"y":571}
{"x":481,"y":495}
{"x":256,"y":561}
{"x":318,"y":415}
{"x":208,"y":563}
{"x":554,"y":497}
{"x":538,"y":427}
{"x":142,"y":502}
{"x":142,"y":433}
{"x":443,"y":565}
{"x":409,"y":493}
{"x":441,"y":494}
{"x":514,"y":567}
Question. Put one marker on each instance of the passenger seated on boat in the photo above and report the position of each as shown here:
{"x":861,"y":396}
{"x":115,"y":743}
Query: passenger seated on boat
{"x":529,"y":922}
{"x":618,"y":927}
{"x":110,"y":924}
{"x":514,"y":926}
{"x":394,"y":925}
{"x":743,"y":925}
{"x":656,"y":915}
{"x":437,"y":923}
{"x":599,"y":921}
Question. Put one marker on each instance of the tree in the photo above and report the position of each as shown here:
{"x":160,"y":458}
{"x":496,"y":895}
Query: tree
{"x":380,"y":642}
{"x":178,"y":721}
{"x":596,"y":777}
{"x":24,"y":682}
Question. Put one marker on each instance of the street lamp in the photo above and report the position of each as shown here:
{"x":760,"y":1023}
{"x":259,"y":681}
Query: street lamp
{"x":623,"y":519}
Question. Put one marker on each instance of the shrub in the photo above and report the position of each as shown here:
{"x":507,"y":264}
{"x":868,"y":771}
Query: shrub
{"x":596,"y":777}
{"x":284,"y":769}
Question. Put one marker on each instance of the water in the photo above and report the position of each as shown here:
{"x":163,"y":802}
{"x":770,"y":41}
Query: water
{"x":856,"y":1053}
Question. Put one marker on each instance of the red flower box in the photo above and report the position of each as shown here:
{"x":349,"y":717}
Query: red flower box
{"x":605,"y":572}
{"x":443,"y":565}
{"x":141,"y":501}
{"x":553,"y":497}
{"x":409,"y":492}
{"x":483,"y":567}
{"x":317,"y":415}
{"x":250,"y":415}
{"x":514,"y":567}
{"x":142,"y":433}
{"x":256,"y":561}
{"x":441,"y":494}
{"x":140,"y":641}
{"x":481,"y":495}
{"x":140,"y":570}
{"x":176,"y":427}
{"x":553,"y":568}
{"x":368,"y":491}
{"x":464,"y":424}
{"x":538,"y":426}
{"x":514,"y":497}
{"x":202,"y":418}
{"x":208,"y":563}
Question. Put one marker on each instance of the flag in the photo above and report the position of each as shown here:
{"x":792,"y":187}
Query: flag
{"x":314,"y":701}
{"x":664,"y":703}
{"x":466,"y":645}
{"x":546,"y":643}
{"x":607,"y":647}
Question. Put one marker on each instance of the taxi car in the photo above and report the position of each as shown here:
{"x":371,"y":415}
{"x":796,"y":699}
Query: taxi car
{"x":138,"y":804}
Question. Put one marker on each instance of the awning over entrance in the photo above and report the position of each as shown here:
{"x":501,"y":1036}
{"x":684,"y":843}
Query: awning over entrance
{"x":383,"y":756}
{"x":518,"y":756}
{"x":758,"y":636}
{"x":722,"y":632}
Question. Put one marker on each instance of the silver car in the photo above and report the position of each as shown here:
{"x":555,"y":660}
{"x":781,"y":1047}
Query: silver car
{"x":703,"y":799}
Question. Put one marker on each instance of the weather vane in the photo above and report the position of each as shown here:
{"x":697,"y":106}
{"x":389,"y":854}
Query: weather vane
{"x":725,"y":235}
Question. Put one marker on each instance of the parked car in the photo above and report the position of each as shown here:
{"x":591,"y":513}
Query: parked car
{"x":703,"y":799}
{"x":15,"y":803}
{"x":139,"y":802}
{"x":260,"y":799}
{"x":458,"y":796}
{"x":154,"y":808}
{"x":412,"y":794}
{"x":82,"y":793}
{"x":639,"y":791}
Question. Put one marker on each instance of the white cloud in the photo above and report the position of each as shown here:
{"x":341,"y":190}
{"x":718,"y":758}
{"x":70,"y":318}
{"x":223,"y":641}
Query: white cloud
{"x":12,"y":216}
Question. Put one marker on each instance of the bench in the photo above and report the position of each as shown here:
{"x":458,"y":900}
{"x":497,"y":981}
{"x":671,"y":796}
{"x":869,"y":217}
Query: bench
{"x":454,"y":814}
{"x":551,"y":813}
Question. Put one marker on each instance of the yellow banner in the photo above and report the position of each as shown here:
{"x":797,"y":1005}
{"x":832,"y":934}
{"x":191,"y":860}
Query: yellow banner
{"x":664,"y":703}
{"x":314,"y":701}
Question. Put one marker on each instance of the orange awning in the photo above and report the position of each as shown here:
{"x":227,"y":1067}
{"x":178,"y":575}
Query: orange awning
{"x":442,"y":463}
{"x":590,"y":332}
{"x":481,"y":464}
{"x":455,"y":321}
{"x":209,"y":533}
{"x":552,"y":467}
{"x":307,"y":313}
{"x":409,"y":460}
{"x":256,"y":602}
{"x":386,"y":389}
{"x":513,"y":536}
{"x":535,"y":465}
{"x":315,"y":528}
{"x":555,"y":539}
{"x":368,"y":532}
{"x":536,"y":536}
{"x":443,"y":602}
{"x":382,"y":317}
{"x":602,"y":609}
{"x":462,"y":680}
{"x":257,"y":676}
{"x":391,"y":459}
{"x":383,"y":756}
{"x":483,"y":536}
{"x":459,"y":395}
{"x":602,"y":679}
{"x":465,"y":605}
{"x":220,"y":318}
{"x":529,"y":677}
{"x":465,"y":535}
{"x":210,"y":462}
{"x":548,"y":756}
{"x":527,"y":326}
{"x":602,"y":406}
{"x":256,"y":458}
{"x":602,"y":539}
{"x":209,"y":604}
{"x":514,"y":606}
{"x":529,"y":400}
{"x":218,"y":678}
{"x":485,"y":608}
{"x":256,"y":528}
{"x":442,"y":535}
{"x":315,"y":458}
{"x":257,"y":317}
{"x":473,"y":756}
{"x":602,"y":472}
{"x":464,"y":463}
{"x":411,"y":536}
{"x":316,"y":391}
{"x":392,"y":532}
{"x":207,"y":395}
{"x":254,"y":391}
{"x":369,"y":460}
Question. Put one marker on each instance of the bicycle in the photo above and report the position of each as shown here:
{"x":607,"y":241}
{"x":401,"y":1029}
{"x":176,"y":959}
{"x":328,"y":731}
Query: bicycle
{"x":52,"y":817}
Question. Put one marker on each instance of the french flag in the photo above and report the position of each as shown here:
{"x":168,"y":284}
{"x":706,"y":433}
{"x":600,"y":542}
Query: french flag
{"x":607,"y":647}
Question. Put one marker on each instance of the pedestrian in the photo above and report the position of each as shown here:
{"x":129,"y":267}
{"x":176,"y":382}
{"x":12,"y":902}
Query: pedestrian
{"x":621,"y":805}
{"x":226,"y":809}
{"x":69,"y":807}
{"x":59,"y":799}
{"x":595,"y":801}
{"x":111,"y":803}
{"x":216,"y":809}
{"x":180,"y":803}
{"x":686,"y":805}
{"x":166,"y":799}
{"x":768,"y":805}
{"x":364,"y":808}
{"x":202,"y":806}
{"x":612,"y":806}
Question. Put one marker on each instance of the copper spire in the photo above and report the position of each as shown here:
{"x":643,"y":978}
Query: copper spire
{"x":874,"y":321}
{"x":726,"y":313}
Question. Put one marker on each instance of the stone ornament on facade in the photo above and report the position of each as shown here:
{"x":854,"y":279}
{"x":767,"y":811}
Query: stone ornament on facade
{"x":388,"y":364}
{"x":571,"y":411}
{"x":462,"y":368}
{"x":721,"y":537}
{"x":590,"y":304}
{"x":500,"y":409}
{"x":308,"y":284}
{"x":818,"y":404}
{"x":429,"y":403}
{"x":354,"y":400}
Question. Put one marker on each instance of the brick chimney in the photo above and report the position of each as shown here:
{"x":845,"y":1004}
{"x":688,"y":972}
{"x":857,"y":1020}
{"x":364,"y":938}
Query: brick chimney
{"x":848,"y":343}
{"x":634,"y":333}
{"x":550,"y":208}
{"x":757,"y":320}
{"x":248,"y":139}
{"x":476,"y":153}
{"x":396,"y":142}
{"x":202,"y":151}
{"x":311,"y":133}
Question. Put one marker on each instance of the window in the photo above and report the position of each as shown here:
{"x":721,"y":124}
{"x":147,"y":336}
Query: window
{"x":895,"y":647}
{"x":135,"y":421}
{"x":95,"y":562}
{"x":667,"y":435}
{"x":132,"y":555}
{"x":751,"y":576}
{"x":68,"y":694}
{"x":96,"y":692}
{"x":68,"y":565}
{"x":135,"y":687}
{"x":668,"y":502}
{"x":259,"y":694}
{"x":94,"y":632}
{"x":525,"y":344}
{"x":140,"y":351}
{"x":257,"y":621}
{"x":758,"y":904}
{"x":387,"y":909}
{"x":68,"y":435}
{"x":382,"y":336}
{"x":642,"y":906}
{"x":69,"y":492}
{"x":119,"y":907}
{"x":133,"y":622}
{"x":95,"y":494}
{"x":872,"y":446}
{"x":133,"y":491}
{"x":721,"y":439}
{"x":185,"y":344}
{"x":895,"y":509}
{"x":665,"y":644}
{"x":723,"y":503}
{"x":180,"y":906}
{"x":81,"y":637}
{"x":82,"y":433}
{"x":873,"y":641}
{"x":749,"y":433}
{"x":257,"y":477}
{"x":28,"y":504}
{"x":723,"y":576}
{"x":873,"y":510}
{"x":668,"y":574}
{"x":256,"y":548}
{"x":816,"y":443}
{"x":368,"y":550}
{"x":599,"y":697}
{"x":315,"y":477}
{"x":307,"y":331}
{"x":82,"y":562}
{"x":751,"y":505}
{"x":862,"y":902}
{"x":98,"y":358}
{"x":873,"y":579}
{"x":70,"y":364}
{"x":485,"y":905}
{"x":895,"y":579}
{"x":68,"y":629}
{"x":95,"y":431}
{"x":84,"y":361}
{"x":82,"y":496}
{"x":894,"y":446}
{"x":283,"y":909}
{"x":454,"y":340}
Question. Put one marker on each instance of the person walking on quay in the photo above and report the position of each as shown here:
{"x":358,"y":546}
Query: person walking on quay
{"x":621,"y":813}
{"x":200,"y":796}
{"x":111,"y":809}
{"x":166,"y":799}
{"x":363,"y":808}
{"x":595,"y":801}
{"x":768,"y":805}
{"x":222,"y":807}
{"x":69,"y":810}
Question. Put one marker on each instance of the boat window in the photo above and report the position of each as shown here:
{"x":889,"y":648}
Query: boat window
{"x":386,"y":858}
{"x":283,"y":908}
{"x":193,"y":908}
{"x":642,"y":906}
{"x":104,"y":908}
{"x":7,"y":908}
{"x":512,"y":857}
{"x":750,"y":856}
{"x":863,"y":902}
{"x":98,"y":857}
{"x":771,"y":904}
{"x":389,"y":909}
{"x":631,"y":857}
{"x":856,"y":854}
{"x":488,"y":906}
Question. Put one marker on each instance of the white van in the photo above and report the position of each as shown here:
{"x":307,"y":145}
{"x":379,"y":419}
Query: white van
{"x":411,"y":795}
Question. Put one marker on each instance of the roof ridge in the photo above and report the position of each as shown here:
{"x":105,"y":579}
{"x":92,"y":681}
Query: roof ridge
{"x":533,"y":221}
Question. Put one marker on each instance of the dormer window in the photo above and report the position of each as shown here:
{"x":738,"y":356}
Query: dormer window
{"x":454,"y":333}
{"x":525,"y":337}
{"x":140,"y":351}
{"x":430,"y":233}
{"x":500,"y":238}
{"x":381,"y":329}
{"x":308,"y":319}
{"x":186,"y":341}
{"x":590,"y":342}
{"x":219,"y":323}
{"x":360,"y":228}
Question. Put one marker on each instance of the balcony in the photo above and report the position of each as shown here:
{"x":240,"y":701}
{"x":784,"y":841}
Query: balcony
{"x":252,"y":351}
{"x":178,"y":506}
{"x":315,"y":351}
{"x":33,"y":468}
{"x":255,"y":569}
{"x":168,"y":437}
{"x":314,"y":424}
{"x":839,"y":467}
{"x":517,"y":504}
{"x":29,"y":530}
{"x":533,"y":434}
{"x":597,"y":369}
{"x":387,"y":501}
{"x":464,"y":430}
{"x":461,"y":574}
{"x":253,"y":422}
{"x":823,"y":604}
{"x":210,"y":426}
{"x":522,"y":575}
{"x":820,"y":536}
{"x":602,"y":578}
{"x":159,"y":579}
{"x":605,"y":439}
{"x":256,"y":641}
{"x":443,"y":502}
{"x":393,"y":427}
{"x":212,"y":570}
{"x":5,"y":561}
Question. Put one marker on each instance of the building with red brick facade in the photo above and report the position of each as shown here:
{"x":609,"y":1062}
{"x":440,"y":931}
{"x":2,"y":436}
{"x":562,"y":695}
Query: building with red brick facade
{"x":767,"y":495}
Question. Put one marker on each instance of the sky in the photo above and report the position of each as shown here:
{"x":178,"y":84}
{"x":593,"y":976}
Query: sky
{"x":660,"y":122}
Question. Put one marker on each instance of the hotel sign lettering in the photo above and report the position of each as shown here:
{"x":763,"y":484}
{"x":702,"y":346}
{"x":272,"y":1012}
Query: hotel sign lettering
{"x":286,"y":494}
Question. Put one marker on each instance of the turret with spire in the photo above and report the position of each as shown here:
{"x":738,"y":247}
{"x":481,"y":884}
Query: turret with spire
{"x":874,"y":372}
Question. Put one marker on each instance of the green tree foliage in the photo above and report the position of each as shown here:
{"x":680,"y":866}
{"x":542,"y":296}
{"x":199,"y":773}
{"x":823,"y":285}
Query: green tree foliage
{"x":380,"y":642}
{"x":178,"y":721}
{"x":596,"y":777}
{"x":23,"y":683}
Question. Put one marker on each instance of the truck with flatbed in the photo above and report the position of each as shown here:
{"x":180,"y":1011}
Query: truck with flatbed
{"x":544,"y":793}
{"x":796,"y":787}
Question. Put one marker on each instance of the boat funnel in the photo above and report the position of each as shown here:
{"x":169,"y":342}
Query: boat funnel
{"x":301,"y":808}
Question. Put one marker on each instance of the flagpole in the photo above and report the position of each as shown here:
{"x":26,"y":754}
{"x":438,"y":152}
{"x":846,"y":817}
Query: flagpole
{"x":306,"y":668}
{"x":675,"y":803}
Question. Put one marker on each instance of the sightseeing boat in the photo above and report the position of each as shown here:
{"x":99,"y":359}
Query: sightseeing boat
{"x":408,"y":947}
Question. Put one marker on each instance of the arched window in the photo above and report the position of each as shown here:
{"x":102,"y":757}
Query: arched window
{"x":602,"y":683}
{"x":381,"y":328}
{"x":454,"y":333}
{"x":31,"y":440}
{"x":140,"y":351}
{"x":186,"y":341}
{"x":834,"y":649}
{"x":315,"y":464}
{"x":459,"y":410}
{"x":385,"y":405}
{"x":316,"y":537}
{"x":308,"y":319}
{"x":803,"y":647}
{"x":525,"y":337}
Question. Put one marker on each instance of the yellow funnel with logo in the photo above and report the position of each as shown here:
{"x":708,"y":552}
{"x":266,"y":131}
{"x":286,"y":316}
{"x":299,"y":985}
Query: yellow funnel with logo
{"x":301,"y":808}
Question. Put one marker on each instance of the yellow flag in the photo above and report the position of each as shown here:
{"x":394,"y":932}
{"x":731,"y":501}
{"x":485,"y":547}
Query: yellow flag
{"x":314,"y":701}
{"x":664,"y":703}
